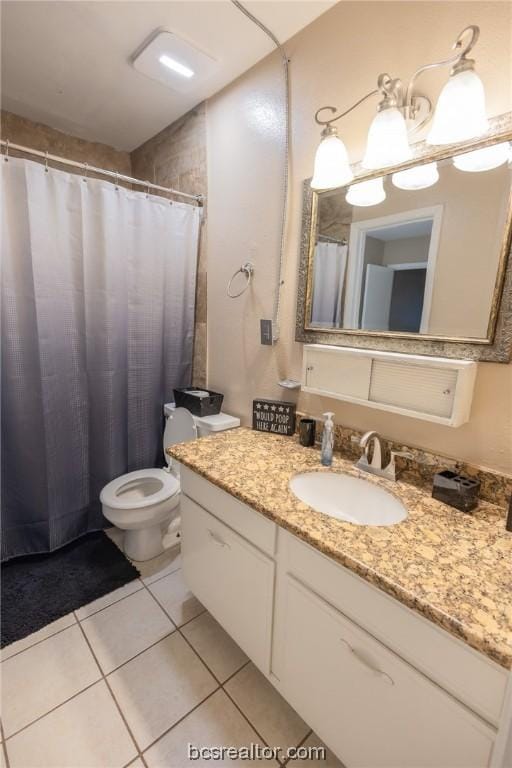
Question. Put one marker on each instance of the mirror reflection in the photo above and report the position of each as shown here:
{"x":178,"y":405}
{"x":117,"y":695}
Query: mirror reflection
{"x":422,"y":261}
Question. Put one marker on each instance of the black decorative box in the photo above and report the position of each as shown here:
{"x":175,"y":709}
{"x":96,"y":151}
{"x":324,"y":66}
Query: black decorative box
{"x":458,"y":491}
{"x":204,"y":403}
{"x":273,"y":416}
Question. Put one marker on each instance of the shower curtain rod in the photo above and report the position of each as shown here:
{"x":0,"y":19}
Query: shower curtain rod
{"x":91,"y":168}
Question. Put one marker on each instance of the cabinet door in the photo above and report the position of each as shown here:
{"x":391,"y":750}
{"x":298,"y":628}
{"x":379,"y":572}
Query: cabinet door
{"x":232,"y":578}
{"x":368,"y":705}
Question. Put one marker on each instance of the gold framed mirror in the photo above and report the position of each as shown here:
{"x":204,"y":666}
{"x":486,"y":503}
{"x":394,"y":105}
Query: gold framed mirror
{"x":414,"y":258}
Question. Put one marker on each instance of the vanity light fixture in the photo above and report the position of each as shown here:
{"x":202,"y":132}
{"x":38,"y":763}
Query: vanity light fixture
{"x":484,"y":159}
{"x":366,"y":193}
{"x":459,"y":115}
{"x":419,"y":177}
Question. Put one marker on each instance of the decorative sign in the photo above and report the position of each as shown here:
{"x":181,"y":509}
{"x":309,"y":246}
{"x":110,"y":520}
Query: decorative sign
{"x":273,"y":416}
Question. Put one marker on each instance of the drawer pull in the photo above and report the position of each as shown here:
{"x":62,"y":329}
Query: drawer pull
{"x":377,"y":672}
{"x":217,"y":539}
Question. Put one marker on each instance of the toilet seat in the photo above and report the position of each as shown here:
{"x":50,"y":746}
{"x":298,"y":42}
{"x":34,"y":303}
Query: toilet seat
{"x":116,"y":494}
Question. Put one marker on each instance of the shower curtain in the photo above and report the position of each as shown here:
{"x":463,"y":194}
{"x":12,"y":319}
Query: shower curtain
{"x":329,"y":274}
{"x":98,"y":293}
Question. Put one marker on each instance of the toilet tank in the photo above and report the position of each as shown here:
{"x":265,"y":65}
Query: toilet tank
{"x":207,"y":425}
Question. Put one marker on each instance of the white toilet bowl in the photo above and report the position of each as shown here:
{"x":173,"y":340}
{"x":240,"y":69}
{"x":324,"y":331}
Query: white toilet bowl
{"x":142,"y":503}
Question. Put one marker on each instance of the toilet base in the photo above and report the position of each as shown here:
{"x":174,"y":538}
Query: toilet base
{"x":143,"y":543}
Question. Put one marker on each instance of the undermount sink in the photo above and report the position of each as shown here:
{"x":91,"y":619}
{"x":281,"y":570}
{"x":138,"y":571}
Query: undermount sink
{"x":348,"y":498}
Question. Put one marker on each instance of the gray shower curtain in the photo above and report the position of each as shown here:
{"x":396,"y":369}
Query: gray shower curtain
{"x":98,"y":291}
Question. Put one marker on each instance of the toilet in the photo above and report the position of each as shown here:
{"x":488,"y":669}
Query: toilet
{"x":142,"y":503}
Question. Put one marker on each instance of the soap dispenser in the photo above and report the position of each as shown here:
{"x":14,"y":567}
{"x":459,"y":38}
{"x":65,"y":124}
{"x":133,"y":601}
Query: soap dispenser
{"x":327,"y":440}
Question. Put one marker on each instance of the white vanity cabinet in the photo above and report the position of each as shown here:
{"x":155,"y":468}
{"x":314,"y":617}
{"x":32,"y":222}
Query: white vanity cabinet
{"x":381,"y":685}
{"x":372,"y":708}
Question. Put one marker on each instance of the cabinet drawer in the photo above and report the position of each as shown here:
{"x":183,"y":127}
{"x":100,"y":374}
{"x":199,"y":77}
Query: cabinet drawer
{"x":233,"y":579}
{"x":368,"y":705}
{"x":467,"y":674}
{"x":250,"y":524}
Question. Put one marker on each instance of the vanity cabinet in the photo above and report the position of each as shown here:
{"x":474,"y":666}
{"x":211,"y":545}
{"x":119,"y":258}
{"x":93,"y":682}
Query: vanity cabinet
{"x":381,"y":685}
{"x":372,"y":708}
{"x":231,"y":577}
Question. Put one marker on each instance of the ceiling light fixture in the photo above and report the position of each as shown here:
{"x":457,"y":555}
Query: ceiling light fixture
{"x":170,"y":63}
{"x":459,"y":115}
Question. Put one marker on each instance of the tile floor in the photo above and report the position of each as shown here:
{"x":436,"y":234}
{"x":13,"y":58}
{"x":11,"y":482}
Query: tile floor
{"x":132,"y":678}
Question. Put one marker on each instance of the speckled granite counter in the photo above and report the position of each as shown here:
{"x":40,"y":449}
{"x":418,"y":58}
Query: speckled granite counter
{"x":454,"y":569}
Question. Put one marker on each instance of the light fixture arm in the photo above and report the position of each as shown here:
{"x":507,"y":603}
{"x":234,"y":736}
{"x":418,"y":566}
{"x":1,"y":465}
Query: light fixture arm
{"x":459,"y":62}
{"x":327,"y":123}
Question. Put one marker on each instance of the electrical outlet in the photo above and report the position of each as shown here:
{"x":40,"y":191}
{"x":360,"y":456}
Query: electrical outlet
{"x":266,"y":332}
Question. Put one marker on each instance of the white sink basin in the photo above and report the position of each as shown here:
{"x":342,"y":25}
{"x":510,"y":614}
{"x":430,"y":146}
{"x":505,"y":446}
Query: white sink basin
{"x":348,"y":498}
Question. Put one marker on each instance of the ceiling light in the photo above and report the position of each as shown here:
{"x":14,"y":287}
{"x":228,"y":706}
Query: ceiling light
{"x":332,"y":168}
{"x":419,"y":177}
{"x":484,"y":159}
{"x":181,"y":69}
{"x":175,"y":63}
{"x":366,"y":193}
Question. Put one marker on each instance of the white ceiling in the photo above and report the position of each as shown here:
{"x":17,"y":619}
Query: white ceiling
{"x":67,"y":64}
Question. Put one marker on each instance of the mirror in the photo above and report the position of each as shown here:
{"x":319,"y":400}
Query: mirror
{"x":420,"y":263}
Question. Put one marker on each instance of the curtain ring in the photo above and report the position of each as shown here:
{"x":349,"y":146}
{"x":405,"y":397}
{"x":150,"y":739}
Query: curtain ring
{"x":86,"y":168}
{"x":6,"y":156}
{"x":46,"y":161}
{"x":248,"y":270}
{"x":117,"y":181}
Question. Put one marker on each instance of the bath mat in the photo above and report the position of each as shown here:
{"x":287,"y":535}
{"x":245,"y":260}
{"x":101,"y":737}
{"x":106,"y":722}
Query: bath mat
{"x":39,"y":589}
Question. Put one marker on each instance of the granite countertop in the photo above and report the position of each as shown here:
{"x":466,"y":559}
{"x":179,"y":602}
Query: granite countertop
{"x":453,"y":568}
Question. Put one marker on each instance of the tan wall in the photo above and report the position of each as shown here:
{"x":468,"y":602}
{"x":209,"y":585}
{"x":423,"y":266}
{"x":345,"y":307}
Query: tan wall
{"x":334,"y":60}
{"x":176,"y":157}
{"x":19,"y":130}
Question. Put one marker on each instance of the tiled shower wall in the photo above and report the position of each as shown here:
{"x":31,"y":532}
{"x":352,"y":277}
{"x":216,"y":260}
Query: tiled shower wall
{"x":175,"y":157}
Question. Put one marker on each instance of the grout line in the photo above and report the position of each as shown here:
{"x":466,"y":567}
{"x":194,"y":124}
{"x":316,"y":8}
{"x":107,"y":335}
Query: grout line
{"x":38,"y":642}
{"x":301,"y":742}
{"x":57,"y":706}
{"x":221,"y":685}
{"x":159,"y":578}
{"x":168,"y":730}
{"x":114,"y":602}
{"x":4,"y":745}
{"x":139,"y":752}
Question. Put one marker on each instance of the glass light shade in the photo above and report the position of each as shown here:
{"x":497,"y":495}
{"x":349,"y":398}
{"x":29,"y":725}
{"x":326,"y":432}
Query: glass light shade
{"x":387,"y":143}
{"x":483,"y":159}
{"x":366,"y":193}
{"x":460,"y":111}
{"x":332,"y":168}
{"x":419,"y":177}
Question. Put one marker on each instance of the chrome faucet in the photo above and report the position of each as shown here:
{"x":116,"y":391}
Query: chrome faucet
{"x":375,"y":465}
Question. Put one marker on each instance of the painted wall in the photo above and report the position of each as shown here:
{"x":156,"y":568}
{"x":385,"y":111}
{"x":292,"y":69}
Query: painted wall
{"x":176,"y":157}
{"x":333,"y":61}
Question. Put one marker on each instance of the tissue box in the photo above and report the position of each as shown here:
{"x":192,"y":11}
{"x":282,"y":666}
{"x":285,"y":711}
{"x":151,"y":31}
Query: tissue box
{"x":458,"y":491}
{"x":199,"y":401}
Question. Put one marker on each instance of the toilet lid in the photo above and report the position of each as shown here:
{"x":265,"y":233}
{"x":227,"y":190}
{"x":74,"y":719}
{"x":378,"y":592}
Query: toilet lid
{"x":179,"y":428}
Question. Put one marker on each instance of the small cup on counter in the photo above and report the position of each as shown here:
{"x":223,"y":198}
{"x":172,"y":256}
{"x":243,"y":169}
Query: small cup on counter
{"x":307,"y":432}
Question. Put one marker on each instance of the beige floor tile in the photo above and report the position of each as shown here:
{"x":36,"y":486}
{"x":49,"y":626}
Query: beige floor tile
{"x":86,"y":732}
{"x":218,"y":651}
{"x":2,"y":757}
{"x":315,"y":759}
{"x":126,"y":628}
{"x":266,"y":709}
{"x":175,"y":597}
{"x":159,"y":687}
{"x":36,"y":637}
{"x":45,"y":675}
{"x":217,"y":722}
{"x":106,"y":600}
{"x":136,"y":764}
{"x":163,"y":565}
